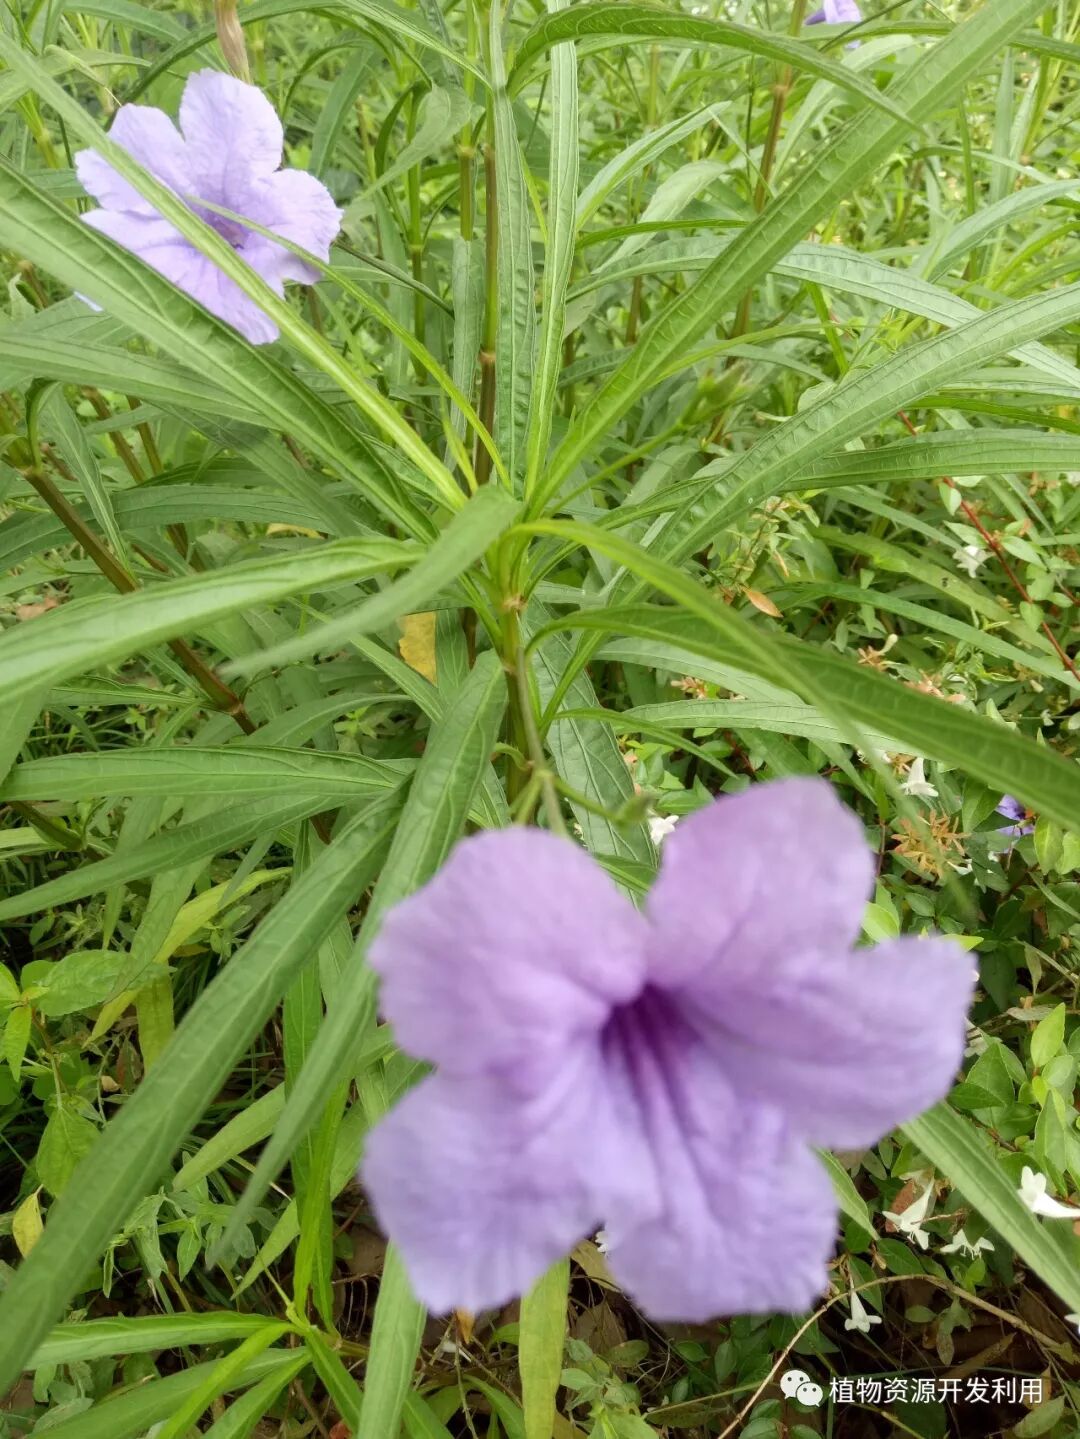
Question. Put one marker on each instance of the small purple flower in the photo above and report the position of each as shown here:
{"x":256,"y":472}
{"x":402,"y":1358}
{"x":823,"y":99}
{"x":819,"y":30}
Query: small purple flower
{"x":661,"y":1073}
{"x":1011,"y":808}
{"x":227,"y":151}
{"x":836,"y":12}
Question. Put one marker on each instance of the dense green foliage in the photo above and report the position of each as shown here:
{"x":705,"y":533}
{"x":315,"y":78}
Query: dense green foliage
{"x":690,"y":399}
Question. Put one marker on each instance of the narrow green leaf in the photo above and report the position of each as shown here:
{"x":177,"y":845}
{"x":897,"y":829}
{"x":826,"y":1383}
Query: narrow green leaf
{"x":395,"y":1343}
{"x":18,"y":714}
{"x":187,"y":771}
{"x":865,"y":398}
{"x":97,"y":1338}
{"x":851,"y":1201}
{"x":587,"y":755}
{"x":443,"y":791}
{"x":540,"y":1348}
{"x":966,"y":1156}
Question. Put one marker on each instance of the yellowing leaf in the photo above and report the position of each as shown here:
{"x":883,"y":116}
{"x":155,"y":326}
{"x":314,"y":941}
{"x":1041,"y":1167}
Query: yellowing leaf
{"x":417,"y":643}
{"x":26,"y":1225}
{"x":278,"y":529}
{"x":763,"y":603}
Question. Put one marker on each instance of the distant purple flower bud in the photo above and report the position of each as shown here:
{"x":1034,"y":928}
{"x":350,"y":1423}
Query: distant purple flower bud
{"x":227,"y":151}
{"x":836,"y":12}
{"x":1011,"y":808}
{"x":663,"y":1073}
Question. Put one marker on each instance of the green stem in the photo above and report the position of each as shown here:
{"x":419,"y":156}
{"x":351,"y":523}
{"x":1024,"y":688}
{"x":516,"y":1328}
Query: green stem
{"x":416,"y":239}
{"x":481,"y":458}
{"x":768,"y":156}
{"x":536,"y":750}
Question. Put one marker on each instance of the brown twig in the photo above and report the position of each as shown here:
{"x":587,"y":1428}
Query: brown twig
{"x":216,"y":690}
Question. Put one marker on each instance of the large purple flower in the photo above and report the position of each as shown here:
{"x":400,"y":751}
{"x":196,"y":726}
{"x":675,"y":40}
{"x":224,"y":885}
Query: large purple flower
{"x":662,"y":1073}
{"x":228,"y":151}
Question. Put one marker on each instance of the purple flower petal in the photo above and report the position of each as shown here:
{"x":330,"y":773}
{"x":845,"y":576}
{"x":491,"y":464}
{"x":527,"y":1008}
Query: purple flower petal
{"x":483,"y":1185}
{"x":149,"y":136}
{"x":748,"y":1225}
{"x":847,"y":1044}
{"x":163,"y":248}
{"x":295,"y":205}
{"x":836,"y":12}
{"x":1013,"y":809}
{"x":753,"y":876}
{"x":517,"y":946}
{"x":232,"y":132}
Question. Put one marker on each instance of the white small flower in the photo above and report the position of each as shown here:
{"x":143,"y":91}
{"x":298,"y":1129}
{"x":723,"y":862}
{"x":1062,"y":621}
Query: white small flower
{"x":910,"y":1222}
{"x":962,"y":1244}
{"x":964,"y":868}
{"x":916,"y":783}
{"x":1033,"y":1196}
{"x":970,"y":557}
{"x":601,"y":1240}
{"x":660,"y":826}
{"x":860,"y":1318}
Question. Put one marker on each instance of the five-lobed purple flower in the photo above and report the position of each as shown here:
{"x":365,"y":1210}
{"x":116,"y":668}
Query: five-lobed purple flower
{"x":662,"y":1073}
{"x":227,"y":151}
